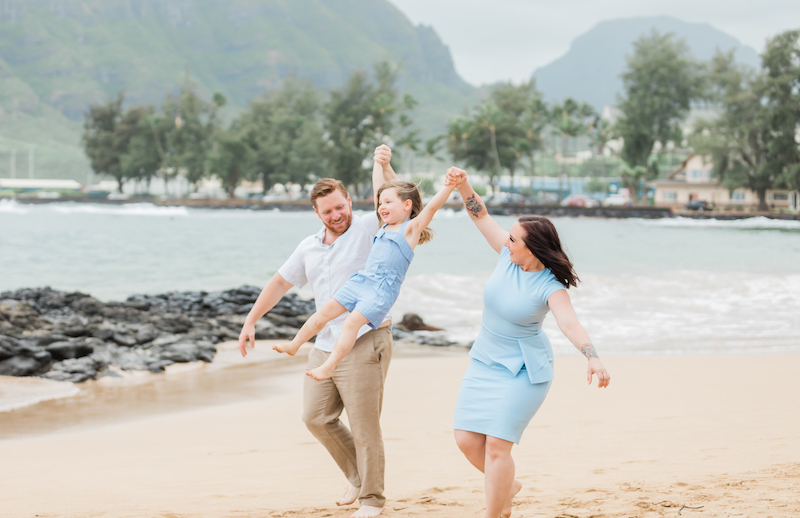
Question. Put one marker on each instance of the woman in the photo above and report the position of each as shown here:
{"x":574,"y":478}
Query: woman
{"x":512,"y":361}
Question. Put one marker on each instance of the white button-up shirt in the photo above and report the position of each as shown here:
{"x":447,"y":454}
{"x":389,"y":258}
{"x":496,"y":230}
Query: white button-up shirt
{"x":327,"y":268}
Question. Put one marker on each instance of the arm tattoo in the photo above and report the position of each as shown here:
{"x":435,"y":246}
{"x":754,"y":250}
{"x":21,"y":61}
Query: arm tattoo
{"x":473,"y":205}
{"x":588,"y":350}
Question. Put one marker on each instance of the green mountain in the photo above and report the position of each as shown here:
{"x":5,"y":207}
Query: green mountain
{"x":590,"y":71}
{"x":59,"y":56}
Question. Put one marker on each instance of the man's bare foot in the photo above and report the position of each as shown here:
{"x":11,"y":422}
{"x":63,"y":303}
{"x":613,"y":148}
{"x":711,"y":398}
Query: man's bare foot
{"x":349,"y":496}
{"x":322,"y":372}
{"x":367,"y":511}
{"x":290,"y":348}
{"x":514,"y":490}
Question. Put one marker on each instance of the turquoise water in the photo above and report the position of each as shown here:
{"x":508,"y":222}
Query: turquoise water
{"x":664,"y":286}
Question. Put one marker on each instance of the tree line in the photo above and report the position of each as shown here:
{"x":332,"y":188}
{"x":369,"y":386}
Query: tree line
{"x":753,"y":133}
{"x":296,"y":133}
{"x":290,"y":134}
{"x":753,"y":137}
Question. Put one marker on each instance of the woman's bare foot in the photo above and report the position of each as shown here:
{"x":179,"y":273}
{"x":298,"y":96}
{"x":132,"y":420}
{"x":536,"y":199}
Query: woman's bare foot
{"x":290,"y":348}
{"x":349,"y":496}
{"x":514,"y":490}
{"x":367,"y":511}
{"x":322,"y":372}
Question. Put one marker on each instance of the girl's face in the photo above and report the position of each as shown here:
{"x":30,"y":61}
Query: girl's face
{"x":393,"y":209}
{"x":520,"y":254}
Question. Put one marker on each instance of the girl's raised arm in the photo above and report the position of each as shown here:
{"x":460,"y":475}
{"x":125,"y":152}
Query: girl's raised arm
{"x":495,"y":235}
{"x":426,"y":215}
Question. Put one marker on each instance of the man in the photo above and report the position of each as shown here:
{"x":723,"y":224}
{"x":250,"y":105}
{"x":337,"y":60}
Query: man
{"x":326,"y":260}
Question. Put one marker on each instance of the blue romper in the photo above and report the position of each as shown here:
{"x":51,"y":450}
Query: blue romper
{"x":374,"y":290}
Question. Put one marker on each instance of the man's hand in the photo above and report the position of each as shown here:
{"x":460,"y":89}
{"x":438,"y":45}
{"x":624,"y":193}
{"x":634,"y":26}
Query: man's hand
{"x":455,"y":176}
{"x":383,"y":155}
{"x":248,"y":333}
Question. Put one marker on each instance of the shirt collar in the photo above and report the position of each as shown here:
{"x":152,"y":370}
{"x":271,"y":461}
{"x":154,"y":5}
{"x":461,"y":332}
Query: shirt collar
{"x":320,"y":235}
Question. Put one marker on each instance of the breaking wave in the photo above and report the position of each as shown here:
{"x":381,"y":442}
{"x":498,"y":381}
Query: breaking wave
{"x":685,"y":312}
{"x":12,"y":207}
{"x":755,"y":223}
{"x":129,"y":209}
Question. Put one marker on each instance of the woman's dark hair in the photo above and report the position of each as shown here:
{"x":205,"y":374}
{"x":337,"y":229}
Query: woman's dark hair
{"x":542,"y":240}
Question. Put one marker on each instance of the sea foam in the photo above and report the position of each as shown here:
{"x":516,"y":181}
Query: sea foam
{"x":12,"y":207}
{"x":129,"y":209}
{"x":683,"y":312}
{"x":755,"y":223}
{"x":22,"y":392}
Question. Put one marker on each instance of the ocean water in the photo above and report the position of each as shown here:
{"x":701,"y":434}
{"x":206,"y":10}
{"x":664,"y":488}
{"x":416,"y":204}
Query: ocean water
{"x":673,"y":286}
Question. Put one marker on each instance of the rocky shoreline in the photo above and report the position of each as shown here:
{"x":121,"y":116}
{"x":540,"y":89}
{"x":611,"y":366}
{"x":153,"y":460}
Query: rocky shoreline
{"x":503,"y":209}
{"x":72,"y":336}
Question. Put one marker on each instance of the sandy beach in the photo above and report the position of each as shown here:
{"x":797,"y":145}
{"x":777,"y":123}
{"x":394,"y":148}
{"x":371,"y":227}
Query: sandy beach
{"x":717,"y":434}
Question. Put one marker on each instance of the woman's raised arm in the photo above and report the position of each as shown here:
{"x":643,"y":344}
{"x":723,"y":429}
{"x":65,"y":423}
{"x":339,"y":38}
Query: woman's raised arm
{"x":495,"y":235}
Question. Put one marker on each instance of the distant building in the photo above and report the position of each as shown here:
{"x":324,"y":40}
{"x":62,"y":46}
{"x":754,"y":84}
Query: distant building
{"x":693,"y":181}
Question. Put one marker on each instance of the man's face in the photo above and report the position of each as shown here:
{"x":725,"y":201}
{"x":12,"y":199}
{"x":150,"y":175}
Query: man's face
{"x":336,"y":211}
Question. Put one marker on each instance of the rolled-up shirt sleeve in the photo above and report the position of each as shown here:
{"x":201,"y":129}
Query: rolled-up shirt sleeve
{"x":326,"y":268}
{"x":294,"y":269}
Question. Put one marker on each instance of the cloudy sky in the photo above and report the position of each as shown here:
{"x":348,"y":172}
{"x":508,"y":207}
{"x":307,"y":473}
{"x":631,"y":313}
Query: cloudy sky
{"x":509,"y":39}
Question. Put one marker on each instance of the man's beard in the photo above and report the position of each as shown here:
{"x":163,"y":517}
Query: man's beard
{"x":343,"y":225}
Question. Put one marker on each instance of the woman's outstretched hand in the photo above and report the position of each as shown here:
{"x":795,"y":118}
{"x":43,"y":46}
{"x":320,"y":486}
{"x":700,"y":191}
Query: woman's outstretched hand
{"x":455,"y":176}
{"x":596,"y":367}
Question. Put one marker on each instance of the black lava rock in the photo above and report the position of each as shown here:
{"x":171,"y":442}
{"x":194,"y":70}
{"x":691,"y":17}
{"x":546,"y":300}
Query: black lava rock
{"x":22,"y":358}
{"x":183,"y":352}
{"x":69,"y":350}
{"x":71,"y":336}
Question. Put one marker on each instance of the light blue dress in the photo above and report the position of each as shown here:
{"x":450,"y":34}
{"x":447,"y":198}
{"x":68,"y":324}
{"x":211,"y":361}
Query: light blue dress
{"x":374,"y":290}
{"x":512,"y":360}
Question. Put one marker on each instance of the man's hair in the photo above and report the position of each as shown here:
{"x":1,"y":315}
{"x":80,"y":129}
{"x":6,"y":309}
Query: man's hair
{"x":324,"y":187}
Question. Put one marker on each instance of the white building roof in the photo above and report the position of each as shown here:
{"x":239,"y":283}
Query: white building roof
{"x":28,"y":183}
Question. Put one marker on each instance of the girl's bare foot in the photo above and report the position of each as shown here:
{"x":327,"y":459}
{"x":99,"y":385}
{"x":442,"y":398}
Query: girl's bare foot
{"x":322,"y":372}
{"x":349,"y":497}
{"x":514,"y":490}
{"x":290,"y":348}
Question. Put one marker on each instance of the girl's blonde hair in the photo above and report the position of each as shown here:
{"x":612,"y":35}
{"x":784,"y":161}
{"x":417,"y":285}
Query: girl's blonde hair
{"x":406,"y":191}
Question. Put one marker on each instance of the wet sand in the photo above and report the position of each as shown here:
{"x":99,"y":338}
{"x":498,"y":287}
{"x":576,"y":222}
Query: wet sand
{"x":140,"y":394}
{"x":720,"y":432}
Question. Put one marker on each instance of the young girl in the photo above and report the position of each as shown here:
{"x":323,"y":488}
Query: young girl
{"x":370,"y":294}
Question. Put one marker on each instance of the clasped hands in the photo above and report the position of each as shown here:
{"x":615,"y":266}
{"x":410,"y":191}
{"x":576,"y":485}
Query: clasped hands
{"x":383,"y":155}
{"x":455,"y":176}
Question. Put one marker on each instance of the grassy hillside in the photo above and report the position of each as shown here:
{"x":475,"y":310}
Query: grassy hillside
{"x":59,"y":56}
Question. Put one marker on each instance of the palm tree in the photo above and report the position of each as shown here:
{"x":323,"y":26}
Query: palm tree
{"x":484,"y":142}
{"x":569,"y":120}
{"x":432,"y":147}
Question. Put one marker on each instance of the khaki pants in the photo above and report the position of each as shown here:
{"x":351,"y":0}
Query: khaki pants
{"x":357,"y":386}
